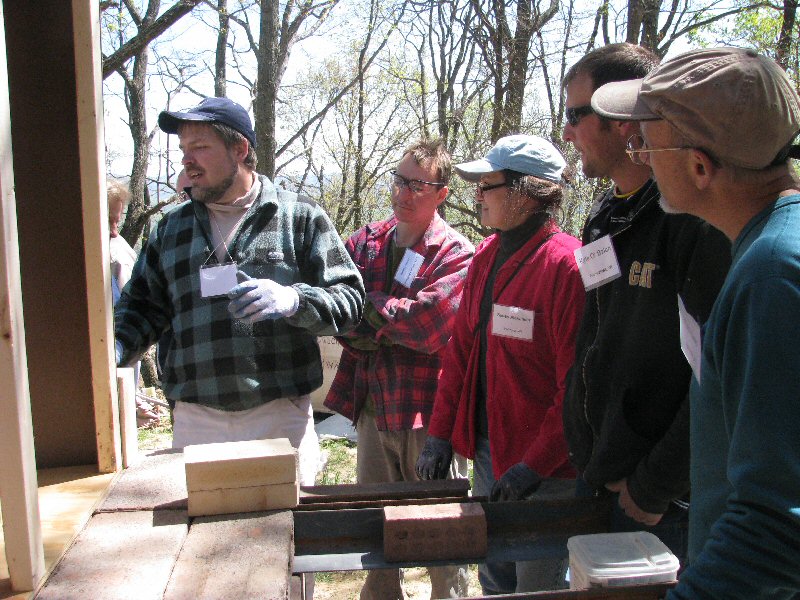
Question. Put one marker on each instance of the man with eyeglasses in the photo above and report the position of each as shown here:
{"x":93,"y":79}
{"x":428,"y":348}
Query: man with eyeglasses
{"x":647,"y":275}
{"x":728,"y":120}
{"x":414,"y":266}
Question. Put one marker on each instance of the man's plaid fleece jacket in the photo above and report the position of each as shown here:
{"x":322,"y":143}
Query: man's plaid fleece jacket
{"x":214,"y":359}
{"x":401,"y":373}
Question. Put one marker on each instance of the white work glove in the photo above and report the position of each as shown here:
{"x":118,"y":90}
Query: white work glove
{"x":254,"y":300}
{"x":117,"y":351}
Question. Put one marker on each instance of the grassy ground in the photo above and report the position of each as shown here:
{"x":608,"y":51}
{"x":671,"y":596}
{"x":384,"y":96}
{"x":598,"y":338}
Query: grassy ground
{"x":339,"y":457}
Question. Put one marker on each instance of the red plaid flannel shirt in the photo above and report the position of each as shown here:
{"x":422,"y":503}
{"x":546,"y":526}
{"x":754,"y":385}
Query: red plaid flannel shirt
{"x":402,"y":373}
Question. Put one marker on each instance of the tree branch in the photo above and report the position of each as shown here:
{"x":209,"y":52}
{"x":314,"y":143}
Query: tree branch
{"x":147,"y":35}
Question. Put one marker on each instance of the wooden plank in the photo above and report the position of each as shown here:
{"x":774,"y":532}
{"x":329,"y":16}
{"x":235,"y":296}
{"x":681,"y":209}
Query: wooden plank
{"x":240,"y":556}
{"x":242,"y":499}
{"x":91,"y":150}
{"x":125,"y":555}
{"x":126,"y":392}
{"x":247,"y":463}
{"x":20,"y":509}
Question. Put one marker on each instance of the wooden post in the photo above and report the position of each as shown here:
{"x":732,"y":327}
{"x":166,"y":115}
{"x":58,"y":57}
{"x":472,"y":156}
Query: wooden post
{"x":126,"y":391}
{"x":21,"y":527}
{"x":91,"y":146}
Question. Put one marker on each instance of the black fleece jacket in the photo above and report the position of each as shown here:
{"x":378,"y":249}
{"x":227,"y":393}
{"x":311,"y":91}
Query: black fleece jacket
{"x":626,"y":409}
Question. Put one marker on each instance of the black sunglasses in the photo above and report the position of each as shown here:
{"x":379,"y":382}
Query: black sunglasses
{"x":576,"y":113}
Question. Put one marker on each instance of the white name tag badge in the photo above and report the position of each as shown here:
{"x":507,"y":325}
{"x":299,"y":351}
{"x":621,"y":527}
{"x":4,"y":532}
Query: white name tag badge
{"x":597,"y":263}
{"x":217,"y":280}
{"x":513,"y":322}
{"x":409,"y":267}
{"x":691,"y":339}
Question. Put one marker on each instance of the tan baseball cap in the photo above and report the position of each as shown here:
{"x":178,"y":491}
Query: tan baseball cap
{"x":734,"y":103}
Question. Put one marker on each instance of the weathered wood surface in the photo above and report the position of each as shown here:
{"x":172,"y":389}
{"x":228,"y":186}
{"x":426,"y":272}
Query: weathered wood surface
{"x":237,"y":556}
{"x":123,"y":555}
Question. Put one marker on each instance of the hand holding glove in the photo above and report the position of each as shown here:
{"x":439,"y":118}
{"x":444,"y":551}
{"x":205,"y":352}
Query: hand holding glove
{"x":516,"y":484}
{"x":255,"y":300}
{"x":434,"y":460}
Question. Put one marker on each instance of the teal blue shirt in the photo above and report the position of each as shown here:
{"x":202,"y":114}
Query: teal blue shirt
{"x":744,"y":521}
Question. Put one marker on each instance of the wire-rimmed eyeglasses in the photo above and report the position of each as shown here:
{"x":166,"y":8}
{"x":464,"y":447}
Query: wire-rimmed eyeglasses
{"x":415,"y":186}
{"x":639,"y":153}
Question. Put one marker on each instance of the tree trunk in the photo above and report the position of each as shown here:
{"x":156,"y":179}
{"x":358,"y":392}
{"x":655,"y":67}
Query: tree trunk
{"x":783,"y":49}
{"x":267,"y":87}
{"x":635,"y":10}
{"x":220,"y":77}
{"x":650,"y":10}
{"x":137,"y":217}
{"x":517,"y":69}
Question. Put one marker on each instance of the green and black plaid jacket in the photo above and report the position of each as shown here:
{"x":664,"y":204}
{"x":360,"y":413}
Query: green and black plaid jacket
{"x":212,"y":358}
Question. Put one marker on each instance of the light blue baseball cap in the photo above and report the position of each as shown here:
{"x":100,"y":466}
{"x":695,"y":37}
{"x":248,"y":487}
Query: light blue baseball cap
{"x":528,"y":154}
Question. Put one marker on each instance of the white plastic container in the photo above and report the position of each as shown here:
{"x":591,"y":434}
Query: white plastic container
{"x":619,"y":559}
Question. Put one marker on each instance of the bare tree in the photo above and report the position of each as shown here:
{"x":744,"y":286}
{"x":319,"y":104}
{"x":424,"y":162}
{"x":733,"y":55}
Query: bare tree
{"x":506,"y":54}
{"x":787,"y":36}
{"x":147,"y":32}
{"x":220,"y":77}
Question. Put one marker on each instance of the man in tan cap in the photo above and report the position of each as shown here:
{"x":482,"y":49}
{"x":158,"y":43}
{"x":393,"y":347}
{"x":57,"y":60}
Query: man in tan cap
{"x":719,"y":128}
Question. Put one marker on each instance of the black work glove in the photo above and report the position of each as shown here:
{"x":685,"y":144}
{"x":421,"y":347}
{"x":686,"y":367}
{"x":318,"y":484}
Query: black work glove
{"x":516,"y":484}
{"x":434,"y":460}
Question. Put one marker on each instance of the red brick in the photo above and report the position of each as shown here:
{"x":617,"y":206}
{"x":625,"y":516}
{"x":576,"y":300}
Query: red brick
{"x":434,"y":532}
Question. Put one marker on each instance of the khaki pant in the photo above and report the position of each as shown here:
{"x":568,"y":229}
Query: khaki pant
{"x":387,"y":456}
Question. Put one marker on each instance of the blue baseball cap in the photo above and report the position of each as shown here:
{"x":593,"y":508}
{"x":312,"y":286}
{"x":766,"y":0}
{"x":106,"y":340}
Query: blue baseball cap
{"x":528,"y":154}
{"x":211,"y":110}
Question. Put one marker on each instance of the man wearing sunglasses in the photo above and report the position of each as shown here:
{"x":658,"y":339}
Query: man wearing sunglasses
{"x":626,"y":412}
{"x":414,"y":266}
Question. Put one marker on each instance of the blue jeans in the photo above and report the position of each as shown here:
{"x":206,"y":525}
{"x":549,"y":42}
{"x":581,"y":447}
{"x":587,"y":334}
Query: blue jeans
{"x":672,"y":529}
{"x":521,"y":576}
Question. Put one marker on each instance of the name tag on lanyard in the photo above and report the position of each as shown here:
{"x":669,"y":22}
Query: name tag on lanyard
{"x":512,"y":322}
{"x":409,"y":267}
{"x":217,"y":280}
{"x":597,"y":263}
{"x":691,"y":339}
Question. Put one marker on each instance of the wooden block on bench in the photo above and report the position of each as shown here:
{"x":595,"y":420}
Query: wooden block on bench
{"x":243,"y":499}
{"x":434,"y":532}
{"x":239,"y":464}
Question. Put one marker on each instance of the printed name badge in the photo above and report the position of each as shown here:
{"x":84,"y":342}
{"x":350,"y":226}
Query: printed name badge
{"x":691,"y":339}
{"x":512,"y":321}
{"x":409,"y":267}
{"x":217,"y":280}
{"x":597,"y":263}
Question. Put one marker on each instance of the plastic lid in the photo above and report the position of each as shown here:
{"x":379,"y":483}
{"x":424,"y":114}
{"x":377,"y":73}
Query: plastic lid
{"x":613,"y":555}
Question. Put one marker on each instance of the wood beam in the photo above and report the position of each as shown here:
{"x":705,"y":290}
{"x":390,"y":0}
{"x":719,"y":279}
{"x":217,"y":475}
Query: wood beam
{"x":18,"y":485}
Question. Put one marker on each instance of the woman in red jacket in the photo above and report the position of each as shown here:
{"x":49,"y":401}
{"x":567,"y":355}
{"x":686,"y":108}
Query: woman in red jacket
{"x":502,"y":385}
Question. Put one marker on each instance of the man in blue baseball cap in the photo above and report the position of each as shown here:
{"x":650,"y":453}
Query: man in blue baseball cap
{"x":243,"y":277}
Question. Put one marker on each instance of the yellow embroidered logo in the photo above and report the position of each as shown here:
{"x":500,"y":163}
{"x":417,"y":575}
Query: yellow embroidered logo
{"x":641,"y":274}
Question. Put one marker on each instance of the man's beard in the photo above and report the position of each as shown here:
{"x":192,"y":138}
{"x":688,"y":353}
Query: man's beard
{"x":210,"y":195}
